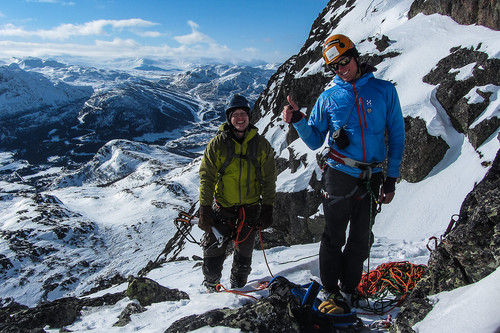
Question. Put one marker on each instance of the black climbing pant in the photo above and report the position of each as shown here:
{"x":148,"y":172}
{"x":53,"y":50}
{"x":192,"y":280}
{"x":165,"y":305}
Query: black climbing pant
{"x":348,"y":203}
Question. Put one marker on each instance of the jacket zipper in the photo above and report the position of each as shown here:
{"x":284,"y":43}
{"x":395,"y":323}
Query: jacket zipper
{"x":241,"y":168}
{"x":361,"y":116}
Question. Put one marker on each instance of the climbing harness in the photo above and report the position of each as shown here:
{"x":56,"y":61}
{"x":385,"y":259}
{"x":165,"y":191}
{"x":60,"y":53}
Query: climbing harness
{"x":342,"y":159}
{"x":453,"y":221}
{"x":389,"y":285}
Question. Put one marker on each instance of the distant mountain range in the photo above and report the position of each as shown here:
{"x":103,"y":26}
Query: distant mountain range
{"x":65,"y":113}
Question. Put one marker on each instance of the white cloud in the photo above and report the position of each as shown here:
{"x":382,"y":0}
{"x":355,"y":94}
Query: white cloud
{"x":149,"y":33}
{"x":251,"y":50}
{"x":68,"y":30}
{"x":195,"y":45}
{"x":194,"y":37}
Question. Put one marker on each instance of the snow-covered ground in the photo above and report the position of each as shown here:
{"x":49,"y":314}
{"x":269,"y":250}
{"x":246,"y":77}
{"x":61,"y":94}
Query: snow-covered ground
{"x":401,"y":235}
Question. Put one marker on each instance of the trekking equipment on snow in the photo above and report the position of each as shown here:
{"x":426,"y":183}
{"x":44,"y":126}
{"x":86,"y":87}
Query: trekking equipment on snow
{"x":304,"y":305}
{"x":236,"y":102}
{"x":454,"y":219}
{"x":396,"y":278}
{"x":335,"y":46}
{"x":333,"y":304}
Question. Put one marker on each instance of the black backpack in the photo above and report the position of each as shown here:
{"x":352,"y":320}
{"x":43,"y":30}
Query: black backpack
{"x":304,"y":306}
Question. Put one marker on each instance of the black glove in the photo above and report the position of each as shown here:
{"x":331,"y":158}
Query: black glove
{"x":296,"y":116}
{"x":266,"y":217}
{"x":389,"y":185}
{"x":206,"y":218}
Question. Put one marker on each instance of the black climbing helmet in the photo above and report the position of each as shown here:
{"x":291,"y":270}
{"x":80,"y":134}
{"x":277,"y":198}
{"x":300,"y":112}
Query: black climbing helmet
{"x":236,"y":102}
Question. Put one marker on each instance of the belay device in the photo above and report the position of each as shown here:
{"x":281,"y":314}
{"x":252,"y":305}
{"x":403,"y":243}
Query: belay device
{"x":304,"y":304}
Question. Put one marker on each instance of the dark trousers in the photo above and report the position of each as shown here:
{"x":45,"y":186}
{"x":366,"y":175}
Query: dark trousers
{"x":214,"y":254}
{"x":349,"y":201}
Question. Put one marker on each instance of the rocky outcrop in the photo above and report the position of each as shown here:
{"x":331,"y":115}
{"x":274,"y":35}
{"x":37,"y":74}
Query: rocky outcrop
{"x":291,"y":79}
{"x":483,"y":12}
{"x":270,"y":314}
{"x":62,"y":312}
{"x":147,"y":292}
{"x":57,"y":314}
{"x":422,"y":150}
{"x":465,"y":96}
{"x":130,"y":309}
{"x":468,"y":253}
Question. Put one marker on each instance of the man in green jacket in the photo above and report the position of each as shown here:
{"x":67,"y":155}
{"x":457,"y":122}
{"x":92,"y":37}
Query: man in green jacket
{"x":237,"y":193}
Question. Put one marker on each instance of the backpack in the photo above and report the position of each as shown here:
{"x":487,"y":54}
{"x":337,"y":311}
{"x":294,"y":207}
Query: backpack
{"x":304,"y":306}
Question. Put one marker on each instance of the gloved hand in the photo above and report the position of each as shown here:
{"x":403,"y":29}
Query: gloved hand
{"x":206,"y":218}
{"x":266,"y":217}
{"x":329,"y":306}
{"x":388,"y":190}
{"x":291,"y":112}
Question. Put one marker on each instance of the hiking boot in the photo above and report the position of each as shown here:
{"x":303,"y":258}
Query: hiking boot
{"x":353,"y":297}
{"x":334,"y":304}
{"x":237,"y":282}
{"x":211,"y":286}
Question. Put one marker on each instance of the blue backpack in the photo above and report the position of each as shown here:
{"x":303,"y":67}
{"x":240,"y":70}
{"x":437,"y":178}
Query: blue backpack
{"x":304,"y":306}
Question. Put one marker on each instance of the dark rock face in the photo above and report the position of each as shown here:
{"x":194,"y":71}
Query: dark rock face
{"x":130,"y":309}
{"x":147,"y":292}
{"x":57,"y":314}
{"x":470,"y":252}
{"x":453,"y":93}
{"x":297,"y":223}
{"x":483,"y":12}
{"x":417,"y":162}
{"x":422,"y":150}
{"x":270,"y":314}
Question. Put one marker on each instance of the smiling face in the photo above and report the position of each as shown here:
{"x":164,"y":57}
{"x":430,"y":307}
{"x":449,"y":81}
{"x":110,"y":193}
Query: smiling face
{"x":240,"y":120}
{"x":347,"y":70}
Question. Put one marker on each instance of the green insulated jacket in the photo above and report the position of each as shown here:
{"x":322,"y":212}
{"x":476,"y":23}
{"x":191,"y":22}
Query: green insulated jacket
{"x":240,"y":183}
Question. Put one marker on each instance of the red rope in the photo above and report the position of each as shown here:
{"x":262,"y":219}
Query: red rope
{"x":398,"y":278}
{"x":241,"y":223}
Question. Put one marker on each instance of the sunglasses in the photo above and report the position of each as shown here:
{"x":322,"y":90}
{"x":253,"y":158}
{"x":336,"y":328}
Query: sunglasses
{"x":343,"y":62}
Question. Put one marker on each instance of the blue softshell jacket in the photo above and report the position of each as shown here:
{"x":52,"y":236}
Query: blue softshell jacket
{"x":369,"y":108}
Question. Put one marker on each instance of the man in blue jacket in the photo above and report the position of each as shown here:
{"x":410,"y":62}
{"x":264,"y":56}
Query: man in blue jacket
{"x":357,"y":114}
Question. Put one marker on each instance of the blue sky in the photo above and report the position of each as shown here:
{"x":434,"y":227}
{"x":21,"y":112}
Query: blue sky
{"x":269,"y":30}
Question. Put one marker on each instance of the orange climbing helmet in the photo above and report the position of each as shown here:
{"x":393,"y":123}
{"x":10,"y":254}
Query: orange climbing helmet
{"x":337,"y":45}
